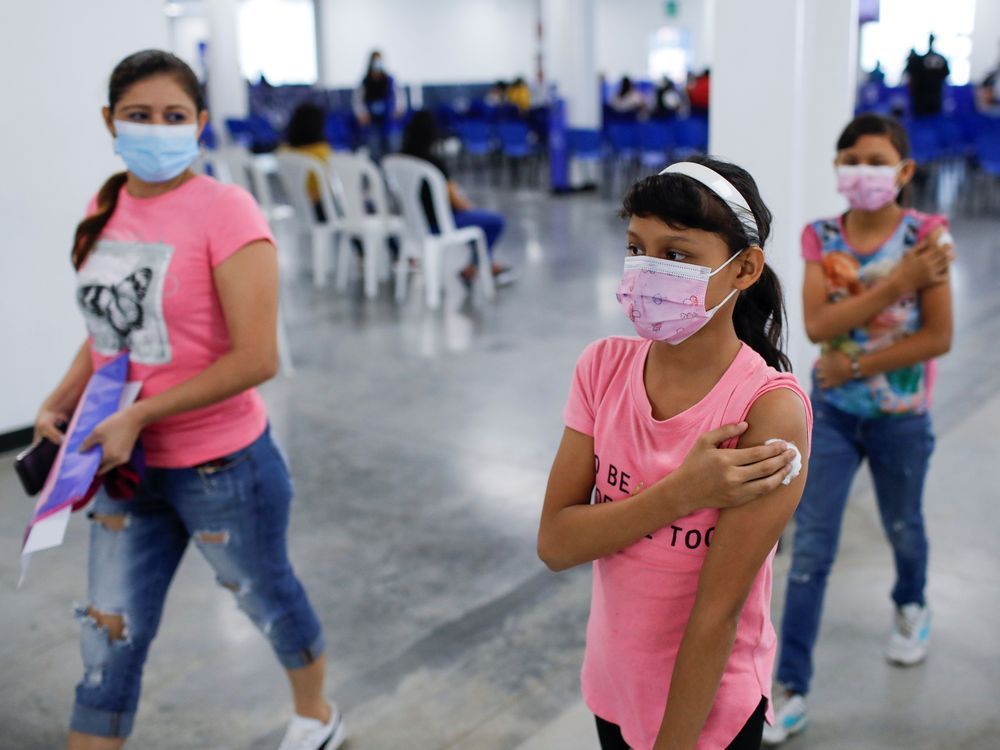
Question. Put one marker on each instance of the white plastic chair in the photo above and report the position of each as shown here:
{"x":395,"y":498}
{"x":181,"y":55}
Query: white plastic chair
{"x":294,"y":171}
{"x":366,"y":218}
{"x":407,"y":175}
{"x":239,"y":167}
{"x":229,"y":166}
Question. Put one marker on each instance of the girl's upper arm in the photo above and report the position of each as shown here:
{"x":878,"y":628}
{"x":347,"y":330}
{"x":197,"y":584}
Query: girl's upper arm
{"x":814,"y":296}
{"x":745,"y":535}
{"x":247,"y":284}
{"x":935,"y":308}
{"x":571,"y":478}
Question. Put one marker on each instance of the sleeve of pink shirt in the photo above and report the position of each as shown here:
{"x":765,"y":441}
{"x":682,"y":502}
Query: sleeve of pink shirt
{"x":236,"y":220}
{"x":811,"y":247}
{"x":930,"y":223}
{"x":580,"y":408}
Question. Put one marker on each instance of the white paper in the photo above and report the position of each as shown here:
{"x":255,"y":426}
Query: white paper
{"x":51,"y":531}
{"x":47,"y":533}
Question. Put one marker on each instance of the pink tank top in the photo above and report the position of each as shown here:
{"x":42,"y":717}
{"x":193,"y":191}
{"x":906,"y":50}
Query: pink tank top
{"x":643,"y":595}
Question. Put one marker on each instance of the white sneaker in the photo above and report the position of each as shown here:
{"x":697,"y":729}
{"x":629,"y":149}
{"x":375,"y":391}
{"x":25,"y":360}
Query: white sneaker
{"x":312,"y":734}
{"x":789,"y":716}
{"x":911,"y":635}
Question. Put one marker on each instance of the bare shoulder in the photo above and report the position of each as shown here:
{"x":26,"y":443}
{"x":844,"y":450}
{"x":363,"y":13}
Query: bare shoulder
{"x":779,"y":413}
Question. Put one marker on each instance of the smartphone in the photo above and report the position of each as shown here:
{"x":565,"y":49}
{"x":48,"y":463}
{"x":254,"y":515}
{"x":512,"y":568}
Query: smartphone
{"x":34,"y":463}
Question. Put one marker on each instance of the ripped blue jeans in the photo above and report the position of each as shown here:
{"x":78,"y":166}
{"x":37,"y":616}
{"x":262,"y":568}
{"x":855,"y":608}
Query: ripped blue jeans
{"x":236,"y":510}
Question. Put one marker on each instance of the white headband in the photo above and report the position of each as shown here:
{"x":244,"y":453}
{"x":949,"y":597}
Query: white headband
{"x":722,"y":188}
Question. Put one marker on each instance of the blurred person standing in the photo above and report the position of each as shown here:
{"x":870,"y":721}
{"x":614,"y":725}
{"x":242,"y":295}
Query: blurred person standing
{"x":926,"y":75}
{"x":377,"y":105}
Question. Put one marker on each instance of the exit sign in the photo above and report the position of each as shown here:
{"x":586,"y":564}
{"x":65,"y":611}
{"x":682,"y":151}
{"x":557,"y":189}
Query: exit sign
{"x":670,"y":8}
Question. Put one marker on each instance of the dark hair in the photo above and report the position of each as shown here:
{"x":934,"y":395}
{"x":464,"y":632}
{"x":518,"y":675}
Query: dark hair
{"x":306,"y":125}
{"x":873,"y":124}
{"x":684,"y":203}
{"x":420,"y":134}
{"x":134,"y":68}
{"x":371,"y":61}
{"x":625,"y":86}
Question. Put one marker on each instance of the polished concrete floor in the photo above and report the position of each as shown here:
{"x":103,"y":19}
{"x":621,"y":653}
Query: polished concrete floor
{"x":420,"y":444}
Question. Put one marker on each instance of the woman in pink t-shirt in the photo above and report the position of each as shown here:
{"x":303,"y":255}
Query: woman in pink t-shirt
{"x":181,"y":273}
{"x":663,"y":478}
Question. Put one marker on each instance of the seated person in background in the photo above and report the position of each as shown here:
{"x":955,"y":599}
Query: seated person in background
{"x":519,"y":95}
{"x":304,"y":135}
{"x":988,"y":93}
{"x":669,"y":101}
{"x":628,"y":99}
{"x":698,"y":92}
{"x":420,"y":136}
{"x":497,"y":94}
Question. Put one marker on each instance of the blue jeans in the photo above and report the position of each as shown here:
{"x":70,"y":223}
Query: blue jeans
{"x":236,"y":510}
{"x":491,"y":222}
{"x":898,"y":450}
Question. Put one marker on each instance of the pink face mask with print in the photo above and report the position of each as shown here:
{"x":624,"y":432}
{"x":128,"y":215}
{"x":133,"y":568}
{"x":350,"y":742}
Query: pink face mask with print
{"x":867,"y":188}
{"x":665,"y":300}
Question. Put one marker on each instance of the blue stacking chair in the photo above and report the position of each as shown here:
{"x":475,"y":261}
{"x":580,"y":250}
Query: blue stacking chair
{"x":515,"y":140}
{"x":515,"y":144}
{"x":477,"y":141}
{"x":337,"y":131}
{"x":986,"y":149}
{"x":476,"y":137}
{"x":623,"y":144}
{"x":623,"y":138}
{"x":239,"y":131}
{"x":690,"y":136}
{"x":926,"y":146}
{"x":584,"y":143}
{"x":538,"y":121}
{"x":656,"y":141}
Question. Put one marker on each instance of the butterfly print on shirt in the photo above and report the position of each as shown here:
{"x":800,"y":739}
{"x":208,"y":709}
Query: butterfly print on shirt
{"x":119,"y":304}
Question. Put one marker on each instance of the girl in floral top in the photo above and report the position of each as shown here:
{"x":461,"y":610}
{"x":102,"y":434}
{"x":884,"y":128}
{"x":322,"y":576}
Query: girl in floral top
{"x":877,"y":298}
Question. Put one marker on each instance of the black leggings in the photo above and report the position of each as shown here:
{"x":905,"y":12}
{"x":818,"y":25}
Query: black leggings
{"x":749,"y":737}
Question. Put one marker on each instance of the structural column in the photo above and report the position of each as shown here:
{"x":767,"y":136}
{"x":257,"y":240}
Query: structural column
{"x":783,"y":80}
{"x":227,"y":89}
{"x":569,"y":58}
{"x":985,"y":40}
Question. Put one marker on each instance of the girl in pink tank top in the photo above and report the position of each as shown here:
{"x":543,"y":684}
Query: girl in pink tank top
{"x":663,"y":479}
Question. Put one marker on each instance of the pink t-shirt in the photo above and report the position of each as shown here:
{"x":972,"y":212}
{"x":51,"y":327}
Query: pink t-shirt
{"x":643,"y":595}
{"x":147,"y":286}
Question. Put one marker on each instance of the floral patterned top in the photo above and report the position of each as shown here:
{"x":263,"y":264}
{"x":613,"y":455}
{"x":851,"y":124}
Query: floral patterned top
{"x":848,"y":272}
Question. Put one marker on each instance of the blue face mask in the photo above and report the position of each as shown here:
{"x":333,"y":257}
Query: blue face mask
{"x":156,"y":153}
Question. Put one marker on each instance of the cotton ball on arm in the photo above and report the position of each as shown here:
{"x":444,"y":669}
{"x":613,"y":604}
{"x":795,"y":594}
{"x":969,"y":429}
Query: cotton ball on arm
{"x":796,"y":462}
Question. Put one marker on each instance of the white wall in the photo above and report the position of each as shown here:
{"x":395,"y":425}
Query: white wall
{"x":624,"y":27}
{"x":569,"y":58}
{"x":431,"y":41}
{"x":781,"y":128}
{"x":985,"y":40}
{"x":55,"y":154}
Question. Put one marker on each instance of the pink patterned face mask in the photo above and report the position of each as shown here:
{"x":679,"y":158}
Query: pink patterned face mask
{"x":867,"y":188}
{"x":664,"y":299}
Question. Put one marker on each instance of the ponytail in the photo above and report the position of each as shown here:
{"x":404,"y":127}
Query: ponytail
{"x":759,"y":319}
{"x":89,"y":230}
